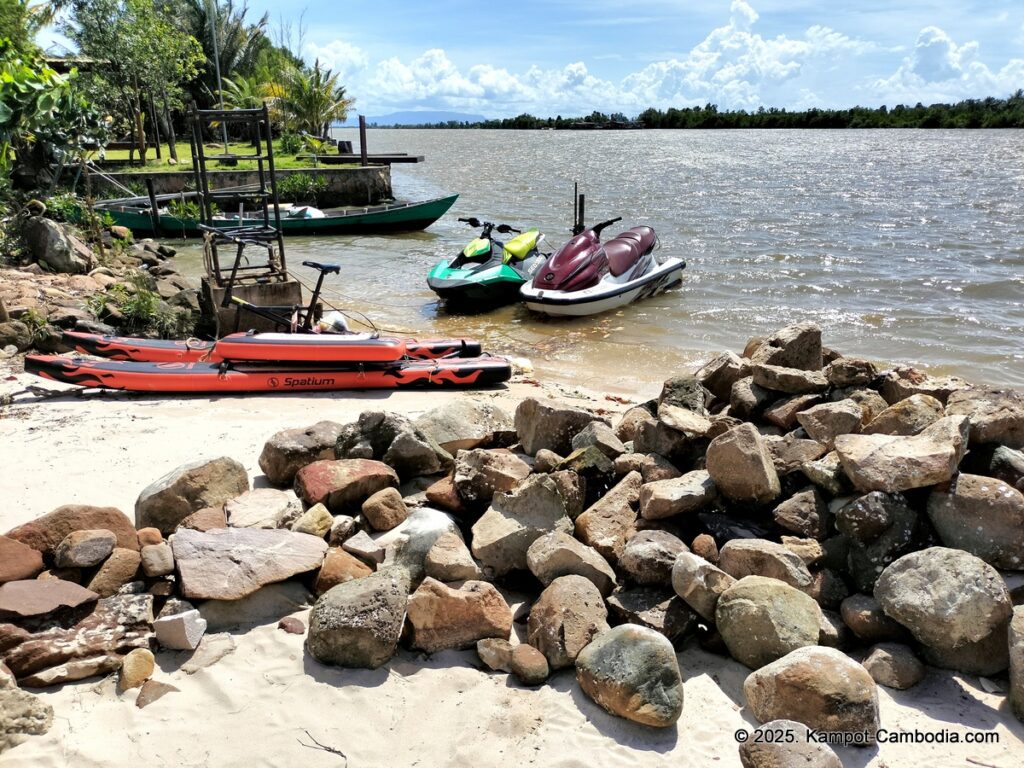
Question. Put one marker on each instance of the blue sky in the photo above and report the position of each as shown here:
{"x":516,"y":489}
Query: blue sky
{"x":571,"y":57}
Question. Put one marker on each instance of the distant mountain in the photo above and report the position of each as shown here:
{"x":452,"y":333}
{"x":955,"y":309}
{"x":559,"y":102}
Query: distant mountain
{"x":415,"y":118}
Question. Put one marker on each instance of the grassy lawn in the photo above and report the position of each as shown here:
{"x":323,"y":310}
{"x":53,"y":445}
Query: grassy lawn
{"x":281,"y":161}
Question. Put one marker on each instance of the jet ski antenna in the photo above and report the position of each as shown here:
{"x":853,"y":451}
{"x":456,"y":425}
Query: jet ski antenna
{"x":578,"y":206}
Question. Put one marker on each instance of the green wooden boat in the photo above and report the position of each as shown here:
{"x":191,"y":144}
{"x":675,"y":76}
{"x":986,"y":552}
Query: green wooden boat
{"x":135,"y":213}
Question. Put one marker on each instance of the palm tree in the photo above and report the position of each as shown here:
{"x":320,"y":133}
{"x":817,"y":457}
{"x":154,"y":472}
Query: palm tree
{"x":310,"y":99}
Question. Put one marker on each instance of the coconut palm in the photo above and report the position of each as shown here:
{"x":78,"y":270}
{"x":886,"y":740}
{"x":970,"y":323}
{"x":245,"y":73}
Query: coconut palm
{"x":309,"y":99}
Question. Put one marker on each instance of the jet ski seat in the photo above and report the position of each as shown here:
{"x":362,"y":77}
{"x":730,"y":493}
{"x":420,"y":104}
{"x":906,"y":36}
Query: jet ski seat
{"x":626,"y":248}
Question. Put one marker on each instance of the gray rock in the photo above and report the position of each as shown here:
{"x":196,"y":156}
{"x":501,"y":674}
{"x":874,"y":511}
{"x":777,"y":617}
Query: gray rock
{"x":84,"y":549}
{"x":699,"y":583}
{"x":983,"y":516}
{"x":850,"y":372}
{"x":684,"y":391}
{"x":559,"y":554}
{"x":440,"y":616}
{"x":1016,"y":661}
{"x":608,"y":523}
{"x":632,"y":672}
{"x":365,"y":548}
{"x":288,"y":451}
{"x":687,"y":493}
{"x":869,"y":516}
{"x":157,"y":560}
{"x":719,"y":374}
{"x":653,"y":436}
{"x":479,"y":474}
{"x":805,"y":513}
{"x":568,"y":614}
{"x":762,"y":619}
{"x":55,"y":248}
{"x":230,"y":563}
{"x":385,"y":509}
{"x":407,"y":546}
{"x":790,"y":453}
{"x":824,"y":423}
{"x":906,"y":417}
{"x":945,"y":597}
{"x":996,"y":416}
{"x":187,"y":489}
{"x":1007,"y":465}
{"x":790,"y":381}
{"x":795,"y":346}
{"x":866,"y":619}
{"x":741,"y":466}
{"x":866,"y":561}
{"x":266,"y":508}
{"x":894,"y":666}
{"x":747,"y":400}
{"x":599,"y":435}
{"x":180,"y":631}
{"x":820,"y":687}
{"x":464,"y":424}
{"x":987,"y":657}
{"x":496,"y":653}
{"x":549,"y":424}
{"x":684,"y":420}
{"x":396,"y":441}
{"x":784,"y":744}
{"x":760,"y":557}
{"x":358,"y":623}
{"x":826,"y":473}
{"x":655,"y":608}
{"x":649,"y":556}
{"x":449,"y":559}
{"x":783,"y":414}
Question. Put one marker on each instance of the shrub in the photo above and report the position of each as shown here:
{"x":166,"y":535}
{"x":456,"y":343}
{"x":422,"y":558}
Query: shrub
{"x":301,"y":188}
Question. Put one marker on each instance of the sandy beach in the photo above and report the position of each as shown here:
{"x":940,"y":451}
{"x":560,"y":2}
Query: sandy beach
{"x":268,"y":702}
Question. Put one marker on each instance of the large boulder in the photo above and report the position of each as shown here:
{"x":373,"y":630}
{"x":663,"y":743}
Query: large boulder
{"x":503,"y":535}
{"x":442,"y":616}
{"x":687,"y":493}
{"x":464,"y":424}
{"x":632,"y":672}
{"x":569,"y":613}
{"x":906,"y":417}
{"x":559,"y":554}
{"x":824,"y":423}
{"x":762,"y":619}
{"x":983,"y":516}
{"x":785,"y":744}
{"x":230,"y":563}
{"x":648,"y":557}
{"x":55,"y":248}
{"x":741,"y":466}
{"x":699,"y":583}
{"x":394,"y":440}
{"x":795,"y":346}
{"x":601,"y":436}
{"x":996,"y":416}
{"x":947,"y":598}
{"x":44,"y":533}
{"x":894,"y":463}
{"x":549,"y":424}
{"x":760,"y":557}
{"x":902,"y":382}
{"x":187,"y":489}
{"x":18,"y":561}
{"x":288,"y":451}
{"x":850,"y":372}
{"x":263,"y":508}
{"x":608,"y":523}
{"x":790,"y":381}
{"x":820,"y":687}
{"x":480,"y":473}
{"x":865,"y":560}
{"x":358,"y":623}
{"x":719,"y":374}
{"x":343,"y":485}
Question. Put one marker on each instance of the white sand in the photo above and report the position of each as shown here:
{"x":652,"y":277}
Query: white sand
{"x":255,"y":706}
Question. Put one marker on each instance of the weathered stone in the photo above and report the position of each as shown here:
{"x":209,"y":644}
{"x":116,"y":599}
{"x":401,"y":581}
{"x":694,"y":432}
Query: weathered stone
{"x":759,"y":557}
{"x":867,"y":517}
{"x":180,"y":631}
{"x":866,"y":619}
{"x":396,"y":441}
{"x":607,"y":524}
{"x":45,"y":533}
{"x":987,"y":657}
{"x":703,"y":545}
{"x":699,"y":583}
{"x":595,"y":469}
{"x":449,"y":559}
{"x":343,"y":485}
{"x":479,"y":474}
{"x":136,"y":668}
{"x":601,"y":436}
{"x":790,"y":453}
{"x":1016,"y":661}
{"x":205,"y":520}
{"x":906,"y":417}
{"x":157,"y":559}
{"x":149,"y":536}
{"x":263,"y":508}
{"x":545,"y":461}
{"x":18,"y":561}
{"x":783,"y":414}
{"x":747,"y":400}
{"x":502,"y":536}
{"x":826,"y":473}
{"x":549,"y":424}
{"x":565,"y":618}
{"x":824,"y":423}
{"x":496,"y":654}
{"x":653,"y":436}
{"x":212,"y":648}
{"x":805,"y":513}
{"x":56,"y":248}
{"x":231,"y":563}
{"x":632,"y":672}
{"x":338,"y":567}
{"x":820,"y":687}
{"x":1007,"y":465}
{"x":684,"y":420}
{"x":945,"y":597}
{"x":631,"y":420}
{"x":894,"y":666}
{"x":443,"y":495}
{"x":408,"y":545}
{"x":366,"y":549}
{"x":84,"y":549}
{"x":654,"y":467}
{"x":385,"y":509}
{"x":809,"y":551}
{"x":315,"y":521}
{"x":719,"y":374}
{"x":688,"y":493}
{"x":343,"y":528}
{"x":117,"y":570}
{"x":763,"y":619}
{"x":21,"y":715}
{"x":655,"y":608}
{"x":443,"y":617}
{"x":39,"y":597}
{"x":529,"y":665}
{"x":358,"y":623}
{"x":559,"y":554}
{"x":741,"y":467}
{"x":648,"y":557}
{"x":187,"y":489}
{"x":264,"y":606}
{"x":684,"y":391}
{"x":850,"y":372}
{"x":464,"y":424}
{"x":866,"y":561}
{"x":892,"y":463}
{"x":795,"y":346}
{"x":902,"y":382}
{"x":288,"y":451}
{"x":785,"y":744}
{"x":983,"y":516}
{"x":996,"y":415}
{"x":790,"y":381}
{"x":151,"y":691}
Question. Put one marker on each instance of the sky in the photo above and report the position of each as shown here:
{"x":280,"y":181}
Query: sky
{"x":571,"y":57}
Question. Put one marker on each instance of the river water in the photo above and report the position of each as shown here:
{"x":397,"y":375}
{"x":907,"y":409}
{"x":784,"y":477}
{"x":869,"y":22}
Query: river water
{"x":905,"y":246}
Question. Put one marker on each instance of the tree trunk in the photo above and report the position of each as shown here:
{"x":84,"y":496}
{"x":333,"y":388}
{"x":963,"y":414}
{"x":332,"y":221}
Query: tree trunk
{"x":172,"y":145}
{"x":156,"y":123}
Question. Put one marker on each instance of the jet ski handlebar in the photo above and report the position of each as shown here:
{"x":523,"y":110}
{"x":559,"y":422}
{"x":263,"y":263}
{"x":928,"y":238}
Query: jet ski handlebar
{"x":598,"y":227}
{"x":504,"y":229}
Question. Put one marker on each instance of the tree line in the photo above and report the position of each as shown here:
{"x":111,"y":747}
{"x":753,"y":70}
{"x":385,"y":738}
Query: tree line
{"x":969,"y":113}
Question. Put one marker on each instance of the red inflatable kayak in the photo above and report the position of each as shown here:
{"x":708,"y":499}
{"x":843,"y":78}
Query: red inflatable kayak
{"x":268,"y":377}
{"x":271,"y":347}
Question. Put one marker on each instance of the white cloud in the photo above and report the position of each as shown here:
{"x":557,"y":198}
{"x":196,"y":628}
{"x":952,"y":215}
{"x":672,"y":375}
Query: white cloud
{"x":338,"y":56}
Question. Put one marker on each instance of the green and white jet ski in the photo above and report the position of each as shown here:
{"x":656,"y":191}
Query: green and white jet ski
{"x":487,"y":273}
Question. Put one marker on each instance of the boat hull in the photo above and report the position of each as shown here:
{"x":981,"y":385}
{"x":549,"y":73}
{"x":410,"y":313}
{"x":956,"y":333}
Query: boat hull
{"x":196,"y":377}
{"x":607,"y":295}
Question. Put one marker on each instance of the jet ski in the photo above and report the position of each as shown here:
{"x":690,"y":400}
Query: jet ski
{"x":487,"y":273}
{"x":586,"y":276}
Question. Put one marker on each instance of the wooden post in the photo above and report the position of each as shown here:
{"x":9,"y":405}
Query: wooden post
{"x":154,"y":212}
{"x":362,"y":140}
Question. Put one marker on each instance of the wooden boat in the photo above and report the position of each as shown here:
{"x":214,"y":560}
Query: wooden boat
{"x":135,"y":213}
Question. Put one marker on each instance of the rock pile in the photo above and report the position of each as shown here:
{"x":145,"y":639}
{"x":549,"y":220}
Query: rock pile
{"x":796,"y":509}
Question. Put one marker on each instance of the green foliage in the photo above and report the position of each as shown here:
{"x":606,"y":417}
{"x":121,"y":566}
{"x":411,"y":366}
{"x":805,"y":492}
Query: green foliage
{"x":65,"y":207}
{"x":302,"y":188}
{"x":308,"y":100}
{"x":291,"y":143}
{"x":239,"y":42}
{"x":184,"y":209}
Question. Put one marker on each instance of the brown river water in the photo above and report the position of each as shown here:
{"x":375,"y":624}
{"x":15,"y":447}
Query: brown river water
{"x":905,"y":246}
